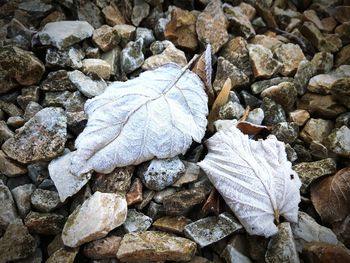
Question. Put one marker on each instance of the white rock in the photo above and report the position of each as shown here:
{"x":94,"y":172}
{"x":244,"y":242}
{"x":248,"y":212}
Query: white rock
{"x":66,"y":183}
{"x":98,"y":215}
{"x":90,"y":88}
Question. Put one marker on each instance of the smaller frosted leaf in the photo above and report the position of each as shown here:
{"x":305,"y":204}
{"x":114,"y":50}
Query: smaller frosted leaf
{"x":154,"y":115}
{"x":254,"y":177}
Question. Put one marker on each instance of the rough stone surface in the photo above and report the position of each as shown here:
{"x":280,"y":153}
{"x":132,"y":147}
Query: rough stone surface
{"x":322,"y":252}
{"x":286,"y":132}
{"x":9,"y":167}
{"x":63,"y":34}
{"x":57,"y":81}
{"x":132,"y":57}
{"x":239,"y":21}
{"x":96,"y":67}
{"x":21,"y":194}
{"x":259,"y":86}
{"x":300,"y":117}
{"x":290,"y":55}
{"x":302,"y":76}
{"x":281,"y":247}
{"x":102,"y":248}
{"x":90,"y":88}
{"x":155,"y":246}
{"x":49,"y":125}
{"x":113,"y":15}
{"x":172,"y":224}
{"x":105,"y":37}
{"x":45,"y":200}
{"x":209,"y":230}
{"x":212,"y":26}
{"x":341,"y":91}
{"x":16,"y":243}
{"x":339,"y":141}
{"x":106,"y":210}
{"x":8,"y":211}
{"x":63,"y":255}
{"x":284,"y":94}
{"x":160,"y":173}
{"x":67,"y":58}
{"x":136,"y":221}
{"x":316,"y":130}
{"x":44,"y":223}
{"x":273,"y":111}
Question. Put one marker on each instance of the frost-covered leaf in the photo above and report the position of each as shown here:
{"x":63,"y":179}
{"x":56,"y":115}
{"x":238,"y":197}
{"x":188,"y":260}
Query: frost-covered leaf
{"x":254,"y":177}
{"x":155,"y":115}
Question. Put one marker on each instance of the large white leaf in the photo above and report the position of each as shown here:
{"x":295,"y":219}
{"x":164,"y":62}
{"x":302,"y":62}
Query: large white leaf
{"x":254,"y":177}
{"x":154,"y":115}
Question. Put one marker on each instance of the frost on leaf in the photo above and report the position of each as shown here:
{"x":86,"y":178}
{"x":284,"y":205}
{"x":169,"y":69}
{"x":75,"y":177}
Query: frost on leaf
{"x":154,"y":115}
{"x":254,"y":177}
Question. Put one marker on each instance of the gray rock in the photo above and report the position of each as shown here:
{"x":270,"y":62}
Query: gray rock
{"x":343,"y":119}
{"x":63,"y":34}
{"x":308,"y":230}
{"x":147,"y":196}
{"x":16,"y":243}
{"x":8,"y":211}
{"x":90,"y":88}
{"x":160,"y":173}
{"x":318,"y":150}
{"x":21,"y":195}
{"x":304,"y":73}
{"x":10,"y":109}
{"x":340,"y":91}
{"x":322,"y":62}
{"x":316,"y":130}
{"x":239,"y":21}
{"x":259,"y":86}
{"x":250,"y":100}
{"x":68,"y":58}
{"x":232,"y":255}
{"x":9,"y":167}
{"x":159,"y":196}
{"x":132,"y":57}
{"x":31,"y":109}
{"x":49,"y":125}
{"x":339,"y":141}
{"x":28,"y":94}
{"x":126,"y":33}
{"x":112,"y":57}
{"x":55,"y":98}
{"x":286,"y":132}
{"x":36,"y":8}
{"x":281,"y":247}
{"x":89,"y":11}
{"x":192,"y":173}
{"x":256,"y":116}
{"x":209,"y":230}
{"x":5,"y":132}
{"x":231,"y":110}
{"x":136,"y":221}
{"x":139,"y":12}
{"x":57,"y":81}
{"x":146,"y":34}
{"x":45,"y":200}
{"x":155,"y":210}
{"x":44,"y":223}
{"x":291,"y":153}
{"x":273,"y":111}
{"x":15,"y":122}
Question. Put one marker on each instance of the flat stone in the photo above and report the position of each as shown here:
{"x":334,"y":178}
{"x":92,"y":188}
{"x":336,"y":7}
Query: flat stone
{"x":28,"y":94}
{"x":262,"y":62}
{"x":281,"y":247}
{"x":273,"y":112}
{"x":172,"y":224}
{"x":132,"y":57}
{"x":118,"y":181}
{"x":105,"y":37}
{"x":232,"y":255}
{"x":106,"y":210}
{"x":147,"y":196}
{"x":259,"y":86}
{"x":290,"y":55}
{"x":44,"y":223}
{"x":113,"y":16}
{"x":322,"y":62}
{"x":181,"y":202}
{"x":322,"y":252}
{"x":155,"y":246}
{"x":238,"y":21}
{"x":9,"y":167}
{"x":15,"y":122}
{"x":21,"y":194}
{"x":139,"y":12}
{"x":339,"y":141}
{"x":126,"y":33}
{"x":211,"y":26}
{"x":209,"y":230}
{"x":136,"y":221}
{"x":181,"y":29}
{"x":256,"y":116}
{"x":316,"y":130}
{"x":18,"y":67}
{"x":90,"y":88}
{"x":309,"y":171}
{"x":49,"y":125}
{"x":146,"y":34}
{"x":286,"y":132}
{"x":227,"y":70}
{"x":102,"y":248}
{"x":236,"y":52}
{"x":67,"y":58}
{"x":8,"y":211}
{"x":322,"y":83}
{"x":66,"y":255}
{"x":96,"y":67}
{"x":284,"y":94}
{"x":311,"y":15}
{"x":45,"y":200}
{"x":231,"y":110}
{"x":308,"y":230}
{"x":170,"y":55}
{"x":300,"y":117}
{"x":160,"y":173}
{"x":134,"y":194}
{"x":66,"y":183}
{"x":63,"y":34}
{"x":16,"y":243}
{"x":340,"y":91}
{"x":270,"y":42}
{"x":192,"y":173}
{"x":57,"y":81}
{"x":343,"y":55}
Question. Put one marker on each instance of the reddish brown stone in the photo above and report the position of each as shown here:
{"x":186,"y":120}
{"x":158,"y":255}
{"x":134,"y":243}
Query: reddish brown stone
{"x":318,"y":252}
{"x":103,"y":248}
{"x":135,"y":193}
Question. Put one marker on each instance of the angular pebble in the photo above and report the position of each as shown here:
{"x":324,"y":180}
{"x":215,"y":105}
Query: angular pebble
{"x":90,"y":88}
{"x":339,"y":141}
{"x":45,"y":200}
{"x":102,"y":248}
{"x":44,"y":223}
{"x":136,"y":221}
{"x":172,"y":224}
{"x":8,"y":211}
{"x":21,"y":194}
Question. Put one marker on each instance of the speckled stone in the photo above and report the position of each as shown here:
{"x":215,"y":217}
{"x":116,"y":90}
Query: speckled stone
{"x":45,"y":200}
{"x":273,"y":111}
{"x":44,"y":223}
{"x":290,"y":55}
{"x":132,"y":57}
{"x":259,"y":86}
{"x":302,"y":76}
{"x":102,"y":248}
{"x":284,"y":94}
{"x":174,"y":224}
{"x":300,"y":117}
{"x":68,"y":58}
{"x":105,"y":37}
{"x":339,"y":141}
{"x":286,"y":132}
{"x":239,"y":21}
{"x":136,"y":221}
{"x":8,"y":211}
{"x":21,"y":195}
{"x":316,"y":130}
{"x":209,"y":230}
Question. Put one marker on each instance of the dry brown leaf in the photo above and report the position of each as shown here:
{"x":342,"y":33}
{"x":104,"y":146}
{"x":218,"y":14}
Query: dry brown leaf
{"x":203,"y":69}
{"x":331,"y":196}
{"x":220,"y":101}
{"x":250,"y":128}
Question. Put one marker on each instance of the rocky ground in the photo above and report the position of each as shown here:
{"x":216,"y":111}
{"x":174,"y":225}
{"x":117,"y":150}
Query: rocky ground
{"x":289,"y":66}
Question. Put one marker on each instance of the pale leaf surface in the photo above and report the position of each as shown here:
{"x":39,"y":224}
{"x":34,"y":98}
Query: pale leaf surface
{"x":254,"y":177}
{"x":154,"y":115}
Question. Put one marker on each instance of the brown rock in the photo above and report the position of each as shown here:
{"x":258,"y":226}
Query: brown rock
{"x":113,"y":16}
{"x":105,"y":37}
{"x":343,"y":32}
{"x":102,"y":248}
{"x":343,"y":56}
{"x":341,"y":91}
{"x":247,"y":10}
{"x":172,"y":224}
{"x":342,"y":13}
{"x":270,"y":42}
{"x":316,"y":130}
{"x":97,"y":67}
{"x":323,"y":106}
{"x":212,"y":26}
{"x":155,"y":246}
{"x":66,"y":255}
{"x":322,"y":83}
{"x":318,"y":252}
{"x":338,"y":141}
{"x":9,"y":167}
{"x":284,"y":94}
{"x":262,"y":61}
{"x":135,"y":193}
{"x":181,"y":29}
{"x":311,"y":15}
{"x":329,"y":23}
{"x":5,"y":132}
{"x":239,"y":22}
{"x":44,"y":223}
{"x":300,"y":117}
{"x":290,"y":55}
